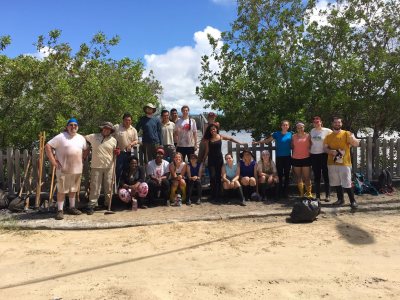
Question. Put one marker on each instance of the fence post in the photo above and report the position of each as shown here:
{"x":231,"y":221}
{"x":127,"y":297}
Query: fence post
{"x":391,"y":156}
{"x":398,"y":157}
{"x":377,"y":165}
{"x":25,"y":158}
{"x":17,"y":169}
{"x":10,"y":170}
{"x":230,"y":147}
{"x":369,"y":158}
{"x":384,"y":154}
{"x":2,"y":184}
{"x":363,"y":165}
{"x":353,"y":153}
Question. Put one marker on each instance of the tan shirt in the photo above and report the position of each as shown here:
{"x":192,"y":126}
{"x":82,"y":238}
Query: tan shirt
{"x":167,"y":132}
{"x":125,"y":136}
{"x":102,"y":150}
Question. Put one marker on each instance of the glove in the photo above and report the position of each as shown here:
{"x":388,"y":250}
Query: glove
{"x":117,"y":151}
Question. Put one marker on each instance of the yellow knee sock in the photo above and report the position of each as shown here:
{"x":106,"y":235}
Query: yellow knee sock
{"x":300,"y":186}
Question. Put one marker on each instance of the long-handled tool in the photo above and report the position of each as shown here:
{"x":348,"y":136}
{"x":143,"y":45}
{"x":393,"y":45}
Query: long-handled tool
{"x":18,"y":204}
{"x":42,"y":139}
{"x":109,"y":211}
{"x":52,"y":186}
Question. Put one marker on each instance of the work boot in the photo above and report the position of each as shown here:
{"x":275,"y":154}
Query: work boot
{"x":340,"y":196}
{"x":59,"y":215}
{"x":308,"y":191}
{"x":90,"y":211}
{"x":339,"y":202}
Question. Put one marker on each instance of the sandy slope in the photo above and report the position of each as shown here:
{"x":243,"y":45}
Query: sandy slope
{"x":336,"y":257}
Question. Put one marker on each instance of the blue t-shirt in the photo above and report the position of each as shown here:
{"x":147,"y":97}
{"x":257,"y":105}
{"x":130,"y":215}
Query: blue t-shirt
{"x":283,"y":143}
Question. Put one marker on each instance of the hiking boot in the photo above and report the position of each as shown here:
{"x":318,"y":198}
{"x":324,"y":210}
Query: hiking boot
{"x":339,"y":202}
{"x":90,"y":211}
{"x":354,"y":204}
{"x":60,"y":215}
{"x":74,"y":211}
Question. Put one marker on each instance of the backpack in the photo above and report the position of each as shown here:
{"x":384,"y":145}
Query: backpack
{"x":306,"y":210}
{"x":363,"y":186}
{"x":17,"y":204}
{"x":385,"y":182}
{"x":3,"y":200}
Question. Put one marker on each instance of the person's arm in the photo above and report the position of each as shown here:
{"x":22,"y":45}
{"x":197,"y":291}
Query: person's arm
{"x":229,"y":138}
{"x":172,"y":170}
{"x":200,"y":170}
{"x":264,"y":141}
{"x":237,"y":175}
{"x":205,"y":150}
{"x":352,"y":139}
{"x":223,"y":174}
{"x":291,"y":141}
{"x":189,"y":173}
{"x":51,"y":156}
{"x":195,"y":138}
{"x":159,"y":131}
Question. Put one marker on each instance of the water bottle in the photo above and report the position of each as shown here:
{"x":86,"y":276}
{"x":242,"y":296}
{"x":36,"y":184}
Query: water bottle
{"x":134,"y":204}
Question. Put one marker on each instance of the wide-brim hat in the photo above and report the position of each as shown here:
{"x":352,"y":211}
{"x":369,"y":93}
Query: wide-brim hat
{"x":248,"y":151}
{"x":150,"y":105}
{"x":107,"y":125}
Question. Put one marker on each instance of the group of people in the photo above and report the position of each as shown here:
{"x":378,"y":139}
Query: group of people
{"x":172,"y":170}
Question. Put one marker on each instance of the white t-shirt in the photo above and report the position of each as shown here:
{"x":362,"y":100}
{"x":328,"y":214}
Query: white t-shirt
{"x":157,"y":171}
{"x":184,"y":133}
{"x":317,"y":140}
{"x":69,"y":152}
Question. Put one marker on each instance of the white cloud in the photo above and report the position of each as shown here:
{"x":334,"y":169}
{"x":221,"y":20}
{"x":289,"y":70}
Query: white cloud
{"x":178,"y":70}
{"x":42,"y":53}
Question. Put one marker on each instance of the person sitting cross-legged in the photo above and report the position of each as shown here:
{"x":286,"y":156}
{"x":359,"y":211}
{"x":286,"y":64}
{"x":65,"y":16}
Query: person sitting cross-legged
{"x":158,"y":173}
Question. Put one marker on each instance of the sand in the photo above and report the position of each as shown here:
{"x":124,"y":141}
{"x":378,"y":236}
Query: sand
{"x":345,"y":256}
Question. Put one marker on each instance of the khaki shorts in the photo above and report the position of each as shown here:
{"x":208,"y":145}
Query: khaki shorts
{"x":68,"y":183}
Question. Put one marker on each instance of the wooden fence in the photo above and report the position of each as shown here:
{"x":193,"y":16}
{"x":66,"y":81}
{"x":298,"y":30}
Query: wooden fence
{"x":13,"y":163}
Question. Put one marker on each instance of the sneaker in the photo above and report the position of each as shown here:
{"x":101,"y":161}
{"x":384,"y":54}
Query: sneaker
{"x":243,"y":203}
{"x":90,"y":211}
{"x":354,"y":204}
{"x":60,"y":215}
{"x":198,"y":202}
{"x":74,"y":211}
{"x":327,"y":198}
{"x":188,"y":202}
{"x":167,"y":203}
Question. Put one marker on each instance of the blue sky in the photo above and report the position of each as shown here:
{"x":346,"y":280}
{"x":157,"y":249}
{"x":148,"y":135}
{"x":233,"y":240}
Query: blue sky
{"x":169,"y":36}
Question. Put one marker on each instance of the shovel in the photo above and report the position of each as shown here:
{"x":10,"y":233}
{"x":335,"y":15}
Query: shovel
{"x":111,"y":191}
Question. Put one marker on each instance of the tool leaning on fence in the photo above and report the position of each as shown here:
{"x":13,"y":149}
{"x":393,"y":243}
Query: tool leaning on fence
{"x":42,"y":139}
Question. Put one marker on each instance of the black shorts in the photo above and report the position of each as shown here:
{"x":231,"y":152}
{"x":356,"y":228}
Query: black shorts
{"x":304,"y":162}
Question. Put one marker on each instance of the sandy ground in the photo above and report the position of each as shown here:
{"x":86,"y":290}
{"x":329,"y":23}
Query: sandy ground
{"x":336,"y":257}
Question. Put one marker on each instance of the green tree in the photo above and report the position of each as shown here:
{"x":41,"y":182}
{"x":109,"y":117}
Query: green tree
{"x":41,"y":94}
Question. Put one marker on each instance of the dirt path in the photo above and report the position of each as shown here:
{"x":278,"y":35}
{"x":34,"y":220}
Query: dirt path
{"x":336,"y":257}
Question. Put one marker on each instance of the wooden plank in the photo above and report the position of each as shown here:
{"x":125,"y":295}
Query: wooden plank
{"x":2,"y":183}
{"x":369,"y":158}
{"x":363,"y":164}
{"x":10,"y":171}
{"x":377,"y":164}
{"x":17,"y":169}
{"x":384,"y":154}
{"x":353,"y":153}
{"x":230,"y":147}
{"x":391,"y":156}
{"x":398,"y":157}
{"x":25,"y":158}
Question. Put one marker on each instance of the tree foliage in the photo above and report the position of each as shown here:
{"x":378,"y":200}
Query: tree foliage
{"x":276,"y":63}
{"x":42,"y":94}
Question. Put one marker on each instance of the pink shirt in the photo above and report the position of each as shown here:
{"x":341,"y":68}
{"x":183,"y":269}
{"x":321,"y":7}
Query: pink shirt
{"x":301,"y":146}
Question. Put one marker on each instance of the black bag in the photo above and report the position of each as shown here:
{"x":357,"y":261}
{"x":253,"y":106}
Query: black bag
{"x":17,"y":204}
{"x":306,"y":210}
{"x":3,"y":200}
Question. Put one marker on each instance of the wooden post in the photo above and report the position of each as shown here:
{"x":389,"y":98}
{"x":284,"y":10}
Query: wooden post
{"x":398,"y":157}
{"x":369,"y":158}
{"x":17,"y":169}
{"x":363,"y":164}
{"x":2,"y":184}
{"x":391,"y":156}
{"x":25,"y":158}
{"x":10,"y":170}
{"x":353,"y":153}
{"x":377,"y":165}
{"x":384,"y":154}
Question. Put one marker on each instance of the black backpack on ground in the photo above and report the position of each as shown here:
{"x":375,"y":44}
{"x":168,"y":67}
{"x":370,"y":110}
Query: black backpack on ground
{"x":306,"y":210}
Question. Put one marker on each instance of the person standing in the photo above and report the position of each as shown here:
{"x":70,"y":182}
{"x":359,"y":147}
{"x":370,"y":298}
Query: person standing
{"x":337,"y":144}
{"x":213,"y":150}
{"x":104,"y":147}
{"x":173,"y":115}
{"x":127,"y":138}
{"x":69,"y":148}
{"x":151,"y":128}
{"x":186,"y":134}
{"x":319,"y":158}
{"x":301,"y":161}
{"x":283,"y":142}
{"x":167,"y":133}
